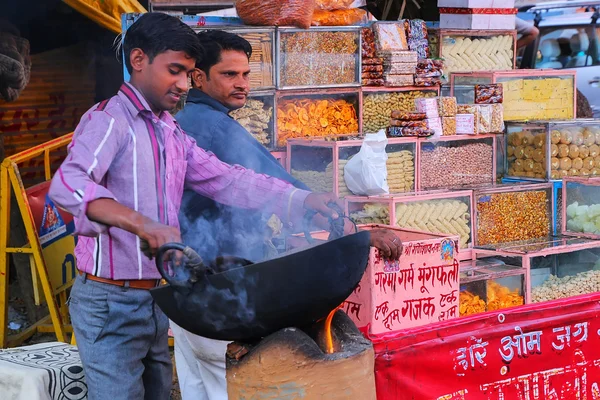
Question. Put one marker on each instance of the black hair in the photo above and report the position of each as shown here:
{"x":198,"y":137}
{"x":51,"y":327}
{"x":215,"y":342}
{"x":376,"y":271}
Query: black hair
{"x":215,"y":41}
{"x":156,"y":33}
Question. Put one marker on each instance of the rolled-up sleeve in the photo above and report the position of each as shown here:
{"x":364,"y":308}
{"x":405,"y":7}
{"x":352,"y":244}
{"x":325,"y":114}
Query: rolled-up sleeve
{"x":77,"y":182}
{"x":236,"y":186}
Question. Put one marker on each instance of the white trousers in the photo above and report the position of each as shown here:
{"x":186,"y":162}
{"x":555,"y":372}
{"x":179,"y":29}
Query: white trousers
{"x":200,"y":364}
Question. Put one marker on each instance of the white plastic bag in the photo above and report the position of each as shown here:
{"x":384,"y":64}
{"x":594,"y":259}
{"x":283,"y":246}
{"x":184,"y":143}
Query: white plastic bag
{"x":366,"y":172}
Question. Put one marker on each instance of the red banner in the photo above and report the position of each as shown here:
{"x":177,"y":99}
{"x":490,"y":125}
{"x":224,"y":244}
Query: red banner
{"x":480,"y":11}
{"x":547,"y":351}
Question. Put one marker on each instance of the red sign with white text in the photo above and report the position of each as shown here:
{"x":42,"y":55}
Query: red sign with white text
{"x":547,"y":351}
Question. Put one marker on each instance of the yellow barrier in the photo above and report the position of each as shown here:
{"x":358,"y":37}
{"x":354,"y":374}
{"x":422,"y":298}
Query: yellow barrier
{"x":10,"y":182}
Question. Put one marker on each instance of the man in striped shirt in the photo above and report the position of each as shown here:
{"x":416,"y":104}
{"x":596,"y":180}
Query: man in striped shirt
{"x":123,"y":181}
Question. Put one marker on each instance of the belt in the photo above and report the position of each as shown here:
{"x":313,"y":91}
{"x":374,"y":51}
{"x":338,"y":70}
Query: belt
{"x":134,"y":284}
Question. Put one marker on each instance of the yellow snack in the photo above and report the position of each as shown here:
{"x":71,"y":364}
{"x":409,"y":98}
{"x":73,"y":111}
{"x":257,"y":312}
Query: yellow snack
{"x":555,"y":137}
{"x":528,"y":165}
{"x":588,"y":163}
{"x":555,"y":163}
{"x":584,"y":151}
{"x":578,"y":138}
{"x":585,"y":172}
{"x":528,"y":152}
{"x":539,"y":141}
{"x":594,"y":150}
{"x":573,"y":151}
{"x":470,"y":304}
{"x":554,"y":150}
{"x":595,"y":171}
{"x":519,"y":152}
{"x":563,"y":150}
{"x":563,"y":173}
{"x":588,"y":138}
{"x":577,"y":163}
{"x":566,"y":163}
{"x":574,"y":172}
{"x":500,"y":297}
{"x":554,"y":175}
{"x":566,"y":137}
{"x":538,"y":155}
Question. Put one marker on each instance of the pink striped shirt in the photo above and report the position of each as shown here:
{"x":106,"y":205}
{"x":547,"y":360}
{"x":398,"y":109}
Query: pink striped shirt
{"x":122,"y":151}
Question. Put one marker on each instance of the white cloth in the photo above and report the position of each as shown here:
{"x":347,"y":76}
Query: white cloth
{"x":200,"y":364}
{"x":45,"y":371}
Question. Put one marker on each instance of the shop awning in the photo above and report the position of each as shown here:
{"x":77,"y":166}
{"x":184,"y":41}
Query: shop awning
{"x":106,"y":13}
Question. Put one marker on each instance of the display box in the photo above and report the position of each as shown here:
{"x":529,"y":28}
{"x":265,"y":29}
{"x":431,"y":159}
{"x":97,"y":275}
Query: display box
{"x":420,"y":289}
{"x":281,"y":157}
{"x":320,"y":163}
{"x":317,"y":113}
{"x":489,"y":285}
{"x":456,"y":161}
{"x":437,"y":211}
{"x":379,"y":102}
{"x":512,"y":212}
{"x":474,"y":50}
{"x":477,"y":3}
{"x":540,"y":94}
{"x":581,"y":207}
{"x":258,"y":117}
{"x":318,"y":57}
{"x":262,"y":66}
{"x":556,"y":200}
{"x":552,"y":150}
{"x":557,"y":267}
{"x":476,"y":18}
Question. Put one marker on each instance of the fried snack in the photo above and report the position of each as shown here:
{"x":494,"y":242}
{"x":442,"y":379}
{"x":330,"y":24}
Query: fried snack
{"x":500,"y":297}
{"x":255,"y":117}
{"x":314,"y":118}
{"x":470,"y":304}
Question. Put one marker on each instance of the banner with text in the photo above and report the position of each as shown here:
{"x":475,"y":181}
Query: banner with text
{"x":546,"y":351}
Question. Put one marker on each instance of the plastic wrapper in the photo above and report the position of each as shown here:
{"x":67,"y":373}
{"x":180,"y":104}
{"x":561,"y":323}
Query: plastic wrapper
{"x":338,"y":4}
{"x":372,"y":61}
{"x":408,"y":124}
{"x":497,"y":118}
{"x":421,"y":47}
{"x":485,"y":118}
{"x":408,"y":116}
{"x":416,"y":29}
{"x":352,"y":16}
{"x":435,"y":125}
{"x":447,"y":106}
{"x":429,"y":107}
{"x":368,"y":43}
{"x":448,"y":126}
{"x":400,"y":68}
{"x":430,"y":65}
{"x":399,"y":57}
{"x":372,"y":82}
{"x":465,"y":124}
{"x":390,"y":36}
{"x":398,"y":80}
{"x":397,"y":131}
{"x":475,"y":110}
{"x":489,"y":94}
{"x":427,"y":82}
{"x":372,"y":68}
{"x":371,"y":75}
{"x":296,"y":13}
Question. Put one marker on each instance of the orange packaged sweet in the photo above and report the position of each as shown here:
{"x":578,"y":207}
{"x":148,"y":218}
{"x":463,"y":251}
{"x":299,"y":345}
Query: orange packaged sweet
{"x":352,"y":16}
{"x":314,"y":118}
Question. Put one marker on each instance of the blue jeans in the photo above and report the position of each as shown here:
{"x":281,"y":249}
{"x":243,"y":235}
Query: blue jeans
{"x":122,"y":337}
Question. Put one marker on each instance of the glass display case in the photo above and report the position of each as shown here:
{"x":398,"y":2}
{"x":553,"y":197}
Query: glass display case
{"x":552,"y":150}
{"x":490,"y":284}
{"x":320,"y":163}
{"x":318,"y":57}
{"x":557,"y":267}
{"x":262,"y":67}
{"x":474,"y":50}
{"x":258,"y":117}
{"x":581,"y":207}
{"x":432,"y":211}
{"x":456,"y":161}
{"x":317,"y":113}
{"x":378,"y":104}
{"x":512,"y":212}
{"x":528,"y":94}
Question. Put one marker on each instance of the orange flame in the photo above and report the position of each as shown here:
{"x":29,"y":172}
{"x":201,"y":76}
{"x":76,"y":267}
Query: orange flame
{"x":328,"y":336}
{"x":329,"y":348}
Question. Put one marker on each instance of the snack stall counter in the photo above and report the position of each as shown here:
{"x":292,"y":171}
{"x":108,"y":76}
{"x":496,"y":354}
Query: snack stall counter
{"x":320,"y":163}
{"x":435,"y":212}
{"x":581,"y":207}
{"x":552,"y":150}
{"x":379,"y":102}
{"x":474,"y":50}
{"x":528,"y":94}
{"x":558,"y":268}
{"x":318,"y":57}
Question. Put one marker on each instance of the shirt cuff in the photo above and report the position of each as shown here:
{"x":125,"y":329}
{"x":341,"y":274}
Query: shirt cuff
{"x":83,"y":225}
{"x":294,"y":214}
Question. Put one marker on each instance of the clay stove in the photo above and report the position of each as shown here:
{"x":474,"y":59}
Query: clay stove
{"x":297,"y":364}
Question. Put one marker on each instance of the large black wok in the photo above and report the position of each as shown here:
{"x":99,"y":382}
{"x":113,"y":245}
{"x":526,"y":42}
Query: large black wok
{"x":249,"y":301}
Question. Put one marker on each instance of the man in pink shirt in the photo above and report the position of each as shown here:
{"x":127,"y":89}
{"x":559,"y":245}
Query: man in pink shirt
{"x":123,"y":181}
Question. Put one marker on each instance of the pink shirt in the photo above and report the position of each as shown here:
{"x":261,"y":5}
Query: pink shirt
{"x":121,"y":150}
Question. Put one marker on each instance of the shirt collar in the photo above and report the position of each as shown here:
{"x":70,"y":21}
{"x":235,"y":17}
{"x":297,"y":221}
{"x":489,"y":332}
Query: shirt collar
{"x":137,"y":104}
{"x":199,"y":97}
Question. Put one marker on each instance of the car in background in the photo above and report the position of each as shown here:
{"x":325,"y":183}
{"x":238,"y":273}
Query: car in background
{"x":569,"y":39}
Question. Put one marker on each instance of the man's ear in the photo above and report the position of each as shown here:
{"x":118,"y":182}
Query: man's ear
{"x":138,"y":59}
{"x":198,"y":78}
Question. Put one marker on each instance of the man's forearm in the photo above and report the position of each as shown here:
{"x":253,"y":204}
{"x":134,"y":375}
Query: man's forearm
{"x":111,"y":213}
